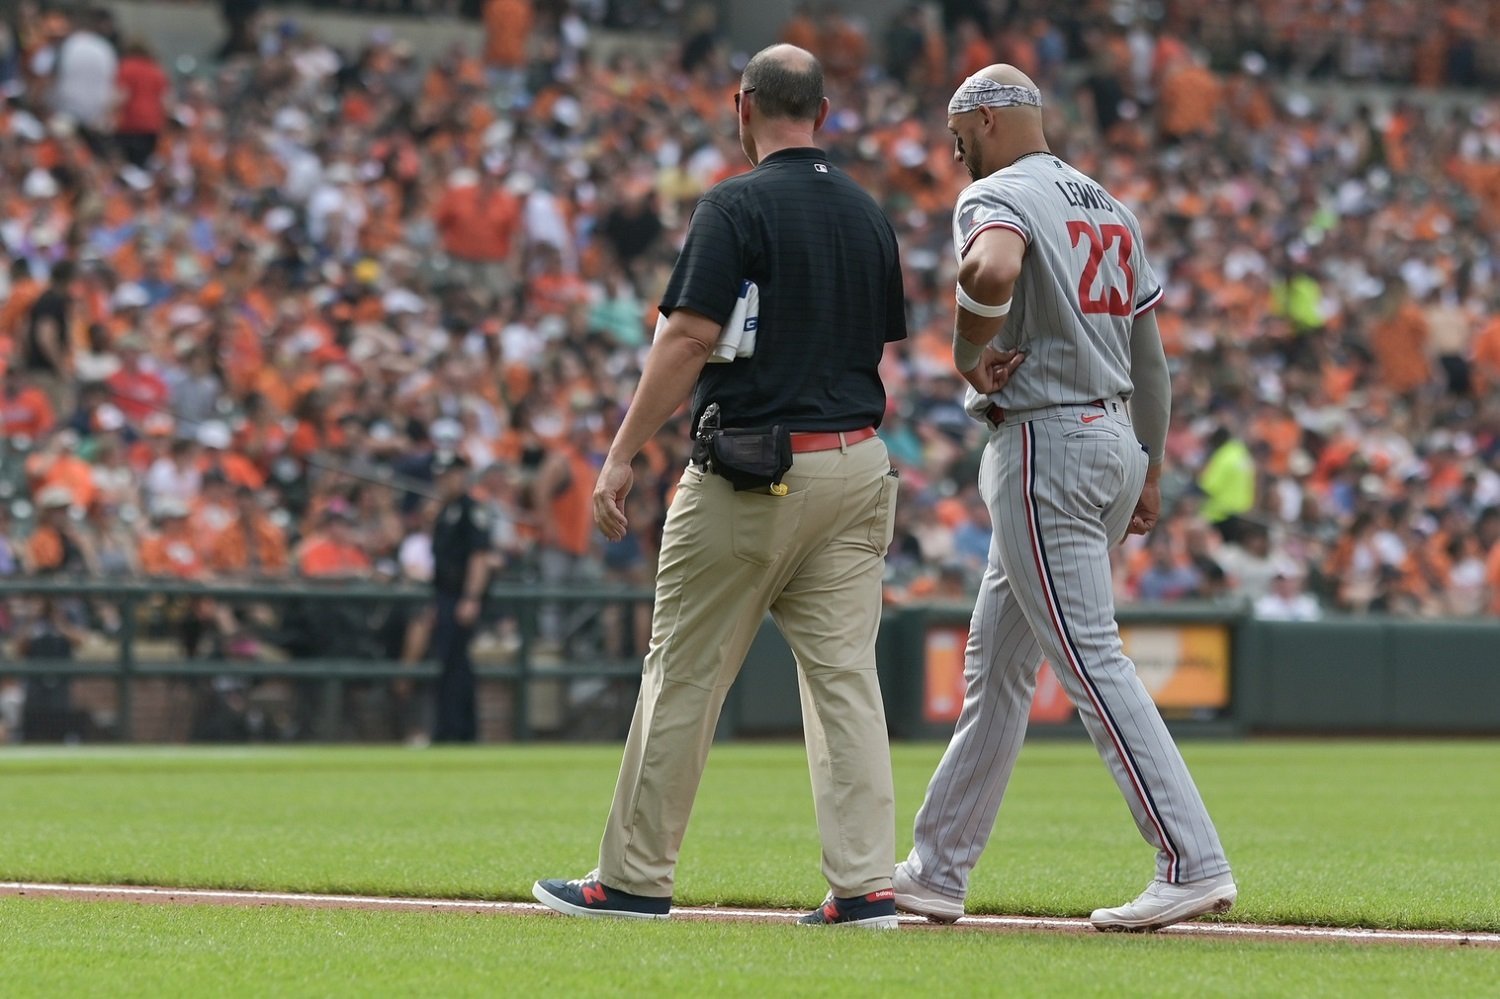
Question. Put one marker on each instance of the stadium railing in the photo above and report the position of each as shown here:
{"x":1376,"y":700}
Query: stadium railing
{"x":350,"y":656}
{"x":1213,"y":669}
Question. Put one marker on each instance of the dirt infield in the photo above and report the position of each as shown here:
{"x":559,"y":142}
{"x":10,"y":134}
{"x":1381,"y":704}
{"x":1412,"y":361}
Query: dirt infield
{"x":974,"y":923}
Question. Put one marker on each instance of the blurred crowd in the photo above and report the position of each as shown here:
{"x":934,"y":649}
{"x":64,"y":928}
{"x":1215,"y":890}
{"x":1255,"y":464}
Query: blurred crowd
{"x":247,"y":309}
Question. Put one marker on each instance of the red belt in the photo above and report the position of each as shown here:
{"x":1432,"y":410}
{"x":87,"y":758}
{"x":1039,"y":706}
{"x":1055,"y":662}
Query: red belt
{"x":996,"y":415}
{"x":802,"y":443}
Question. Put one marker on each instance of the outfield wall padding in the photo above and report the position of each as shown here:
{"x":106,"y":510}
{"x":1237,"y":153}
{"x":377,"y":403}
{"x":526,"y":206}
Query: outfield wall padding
{"x":1337,"y":676}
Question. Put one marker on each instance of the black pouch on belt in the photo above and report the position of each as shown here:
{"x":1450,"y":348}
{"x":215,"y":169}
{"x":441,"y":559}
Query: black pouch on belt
{"x":748,"y":458}
{"x":751,"y":458}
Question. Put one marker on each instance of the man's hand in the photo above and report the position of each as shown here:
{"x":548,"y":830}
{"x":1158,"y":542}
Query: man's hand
{"x":1148,"y":507}
{"x":467,"y":612}
{"x":994,"y":370}
{"x":615,"y":480}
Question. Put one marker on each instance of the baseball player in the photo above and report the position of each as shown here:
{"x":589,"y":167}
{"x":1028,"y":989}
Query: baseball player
{"x":1076,"y":391}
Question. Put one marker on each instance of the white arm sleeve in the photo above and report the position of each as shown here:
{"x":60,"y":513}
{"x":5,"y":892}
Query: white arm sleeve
{"x":1151,"y":402}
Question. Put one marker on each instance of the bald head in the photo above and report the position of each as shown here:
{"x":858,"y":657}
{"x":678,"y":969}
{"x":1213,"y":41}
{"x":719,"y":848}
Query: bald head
{"x":1007,"y":75}
{"x":995,"y":116}
{"x":1000,"y":86}
{"x":788,"y":83}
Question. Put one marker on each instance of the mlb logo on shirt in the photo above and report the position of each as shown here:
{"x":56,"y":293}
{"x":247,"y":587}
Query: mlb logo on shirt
{"x":820,"y":168}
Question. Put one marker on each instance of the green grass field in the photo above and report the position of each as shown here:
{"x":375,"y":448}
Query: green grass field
{"x":80,"y":948}
{"x":1395,"y":834}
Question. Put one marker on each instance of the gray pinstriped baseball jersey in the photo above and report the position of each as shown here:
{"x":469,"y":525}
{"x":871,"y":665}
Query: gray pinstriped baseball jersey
{"x":1085,"y":279}
{"x":1061,"y":478}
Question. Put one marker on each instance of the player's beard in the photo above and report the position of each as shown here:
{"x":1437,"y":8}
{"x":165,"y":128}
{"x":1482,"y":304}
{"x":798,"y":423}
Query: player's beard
{"x":972,"y":161}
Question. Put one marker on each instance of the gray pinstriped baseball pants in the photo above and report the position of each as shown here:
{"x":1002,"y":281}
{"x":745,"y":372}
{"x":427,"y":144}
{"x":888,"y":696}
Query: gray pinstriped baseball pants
{"x":1060,"y":490}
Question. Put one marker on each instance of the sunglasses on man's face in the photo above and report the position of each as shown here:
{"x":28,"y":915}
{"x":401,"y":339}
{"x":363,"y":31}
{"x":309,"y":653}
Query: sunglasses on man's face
{"x":737,"y":93}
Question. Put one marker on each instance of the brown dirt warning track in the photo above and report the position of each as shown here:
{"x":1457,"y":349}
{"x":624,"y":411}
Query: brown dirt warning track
{"x":974,"y":923}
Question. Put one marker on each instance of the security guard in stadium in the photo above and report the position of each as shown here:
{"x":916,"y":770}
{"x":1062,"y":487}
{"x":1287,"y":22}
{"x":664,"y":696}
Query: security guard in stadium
{"x":461,"y":568}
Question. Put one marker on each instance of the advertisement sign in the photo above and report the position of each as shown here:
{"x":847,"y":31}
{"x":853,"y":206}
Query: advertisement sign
{"x":1185,"y":667}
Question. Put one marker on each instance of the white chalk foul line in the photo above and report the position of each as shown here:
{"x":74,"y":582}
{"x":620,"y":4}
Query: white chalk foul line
{"x":1322,"y":933}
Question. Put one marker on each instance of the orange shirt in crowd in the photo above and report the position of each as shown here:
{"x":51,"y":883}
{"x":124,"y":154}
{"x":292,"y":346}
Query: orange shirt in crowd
{"x":1281,"y":435}
{"x":322,"y":556}
{"x":237,"y":469}
{"x":800,"y":31}
{"x":557,"y":292}
{"x":1190,"y":98}
{"x":1492,"y":578}
{"x":842,"y":47}
{"x":67,"y":471}
{"x":1399,"y":343}
{"x":475,"y":226}
{"x":172,"y":552}
{"x":45,"y":549}
{"x":23,"y":295}
{"x":507,"y":26}
{"x":310,"y":438}
{"x":1016,"y":48}
{"x":1251,"y":103}
{"x":976,"y":55}
{"x":1486,"y":356}
{"x":256,"y":547}
{"x":572,"y":518}
{"x":29,"y":414}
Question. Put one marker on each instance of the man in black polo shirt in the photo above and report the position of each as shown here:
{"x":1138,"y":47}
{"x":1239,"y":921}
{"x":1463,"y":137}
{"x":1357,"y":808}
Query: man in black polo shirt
{"x":810,"y":548}
{"x":461,"y":565}
{"x":44,"y":352}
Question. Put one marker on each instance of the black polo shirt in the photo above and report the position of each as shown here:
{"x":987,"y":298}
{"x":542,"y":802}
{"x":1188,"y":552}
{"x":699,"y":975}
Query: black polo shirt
{"x":462,"y":532}
{"x":825,"y":260}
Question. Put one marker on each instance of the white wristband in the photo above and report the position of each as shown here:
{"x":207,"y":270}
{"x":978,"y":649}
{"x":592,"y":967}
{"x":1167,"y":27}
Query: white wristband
{"x":979,"y":309}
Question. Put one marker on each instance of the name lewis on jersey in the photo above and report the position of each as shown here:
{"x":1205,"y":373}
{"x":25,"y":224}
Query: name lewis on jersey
{"x":1084,"y":195}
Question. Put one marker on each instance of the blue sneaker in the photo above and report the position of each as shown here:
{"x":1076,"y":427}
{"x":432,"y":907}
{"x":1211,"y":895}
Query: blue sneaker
{"x":589,"y":896}
{"x":875,"y":911}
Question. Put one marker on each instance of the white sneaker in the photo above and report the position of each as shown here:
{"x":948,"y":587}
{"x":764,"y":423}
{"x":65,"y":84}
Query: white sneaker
{"x":1163,"y":904}
{"x":914,"y":897}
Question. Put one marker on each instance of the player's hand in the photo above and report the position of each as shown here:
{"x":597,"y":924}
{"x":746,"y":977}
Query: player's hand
{"x":994,"y":370}
{"x":1147,"y":508}
{"x":615,"y":480}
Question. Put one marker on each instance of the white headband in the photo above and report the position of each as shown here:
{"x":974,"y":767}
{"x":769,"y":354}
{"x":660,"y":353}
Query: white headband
{"x":979,"y":92}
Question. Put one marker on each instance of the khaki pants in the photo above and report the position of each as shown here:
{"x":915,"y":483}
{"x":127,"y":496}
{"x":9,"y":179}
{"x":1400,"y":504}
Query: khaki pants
{"x":487,"y":279}
{"x":814,"y":558}
{"x":60,"y":390}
